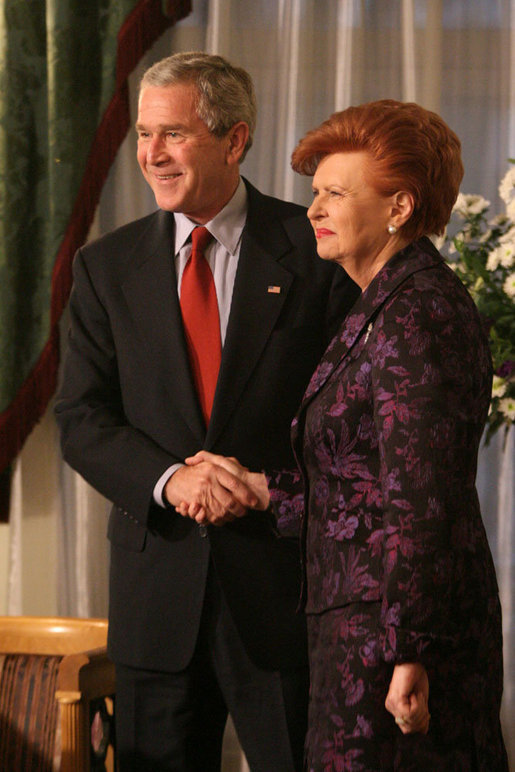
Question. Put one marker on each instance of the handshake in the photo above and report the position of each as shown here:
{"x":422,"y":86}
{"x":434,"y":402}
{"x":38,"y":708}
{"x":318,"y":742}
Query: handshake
{"x":215,"y":489}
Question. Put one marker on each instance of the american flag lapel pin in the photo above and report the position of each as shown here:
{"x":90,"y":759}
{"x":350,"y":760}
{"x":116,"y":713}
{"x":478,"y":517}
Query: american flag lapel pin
{"x":273,"y":289}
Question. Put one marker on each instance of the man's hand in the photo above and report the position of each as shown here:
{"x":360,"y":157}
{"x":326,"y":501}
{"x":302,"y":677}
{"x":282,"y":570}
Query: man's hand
{"x":254,"y":482}
{"x":408,"y":696}
{"x":208,"y":493}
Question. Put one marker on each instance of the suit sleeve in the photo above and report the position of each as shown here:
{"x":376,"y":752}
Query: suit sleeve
{"x":119,"y":460}
{"x":430,"y":381}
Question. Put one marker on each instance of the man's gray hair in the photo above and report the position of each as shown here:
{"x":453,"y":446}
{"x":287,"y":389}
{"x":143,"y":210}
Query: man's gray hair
{"x":225,"y":92}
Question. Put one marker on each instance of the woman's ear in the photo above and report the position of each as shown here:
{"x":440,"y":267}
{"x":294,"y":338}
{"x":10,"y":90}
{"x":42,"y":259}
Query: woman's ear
{"x":402,"y":208}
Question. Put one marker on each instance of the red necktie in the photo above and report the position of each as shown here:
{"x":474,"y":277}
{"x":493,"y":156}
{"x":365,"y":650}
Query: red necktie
{"x":201,"y":320}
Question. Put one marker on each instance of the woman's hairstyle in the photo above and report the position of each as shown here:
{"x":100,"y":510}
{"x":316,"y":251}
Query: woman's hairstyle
{"x":412,"y":149}
{"x":225,"y":93}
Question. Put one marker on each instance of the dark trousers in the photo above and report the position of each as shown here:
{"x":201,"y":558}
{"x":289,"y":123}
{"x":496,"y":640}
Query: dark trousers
{"x":176,"y":721}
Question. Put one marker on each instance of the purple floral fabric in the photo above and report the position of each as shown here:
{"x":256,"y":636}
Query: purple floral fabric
{"x":349,"y":728}
{"x":387,"y":440}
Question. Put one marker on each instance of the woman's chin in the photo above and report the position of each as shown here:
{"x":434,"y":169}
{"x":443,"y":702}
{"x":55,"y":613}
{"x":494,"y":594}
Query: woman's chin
{"x":326,"y":255}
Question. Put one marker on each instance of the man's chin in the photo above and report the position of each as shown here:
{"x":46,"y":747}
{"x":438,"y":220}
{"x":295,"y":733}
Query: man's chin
{"x":168,"y":203}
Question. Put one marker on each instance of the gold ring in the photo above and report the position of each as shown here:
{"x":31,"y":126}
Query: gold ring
{"x":400,"y":721}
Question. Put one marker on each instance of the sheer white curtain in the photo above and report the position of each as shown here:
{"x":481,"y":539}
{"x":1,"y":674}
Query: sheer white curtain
{"x":307,"y":58}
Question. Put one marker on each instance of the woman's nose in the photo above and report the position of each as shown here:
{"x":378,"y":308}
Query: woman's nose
{"x":314,"y":210}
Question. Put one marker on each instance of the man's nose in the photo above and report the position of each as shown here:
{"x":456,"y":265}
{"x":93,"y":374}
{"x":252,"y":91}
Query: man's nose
{"x":156,"y":150}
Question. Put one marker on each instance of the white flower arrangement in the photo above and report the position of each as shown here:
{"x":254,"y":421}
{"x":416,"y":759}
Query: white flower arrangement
{"x":482,"y":254}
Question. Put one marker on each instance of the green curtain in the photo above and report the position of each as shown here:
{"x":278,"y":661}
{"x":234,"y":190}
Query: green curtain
{"x":63,"y":114}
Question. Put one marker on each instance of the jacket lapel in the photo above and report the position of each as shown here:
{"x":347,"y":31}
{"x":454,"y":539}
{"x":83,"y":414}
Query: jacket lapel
{"x":150,"y":289}
{"x":415,"y":257}
{"x":260,"y":291}
{"x":151,"y":293}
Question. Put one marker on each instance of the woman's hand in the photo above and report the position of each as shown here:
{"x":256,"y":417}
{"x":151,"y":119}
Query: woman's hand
{"x":243,"y":485}
{"x":407,"y":698}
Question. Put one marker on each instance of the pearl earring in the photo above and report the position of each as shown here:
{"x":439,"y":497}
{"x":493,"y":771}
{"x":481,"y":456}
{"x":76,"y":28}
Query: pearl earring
{"x":392,"y":229}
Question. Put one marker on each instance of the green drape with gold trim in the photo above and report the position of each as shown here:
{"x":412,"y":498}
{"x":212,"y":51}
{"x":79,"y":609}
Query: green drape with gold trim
{"x":63,"y":114}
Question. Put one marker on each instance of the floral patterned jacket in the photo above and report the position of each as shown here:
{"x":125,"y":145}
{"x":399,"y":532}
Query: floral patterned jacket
{"x":387,"y":439}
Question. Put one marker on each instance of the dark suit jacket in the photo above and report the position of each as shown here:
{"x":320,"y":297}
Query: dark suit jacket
{"x":127,"y":410}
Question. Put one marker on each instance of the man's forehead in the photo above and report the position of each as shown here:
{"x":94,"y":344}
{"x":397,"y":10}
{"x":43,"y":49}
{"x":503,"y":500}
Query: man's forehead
{"x":183,"y":91}
{"x":168,"y":105}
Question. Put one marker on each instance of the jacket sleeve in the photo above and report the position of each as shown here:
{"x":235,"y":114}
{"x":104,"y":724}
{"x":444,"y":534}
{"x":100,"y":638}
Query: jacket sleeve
{"x":431,"y":377}
{"x":118,"y":459}
{"x":286,"y":500}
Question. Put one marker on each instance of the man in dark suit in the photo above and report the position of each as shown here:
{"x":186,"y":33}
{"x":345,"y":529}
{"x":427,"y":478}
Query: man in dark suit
{"x":202,"y":618}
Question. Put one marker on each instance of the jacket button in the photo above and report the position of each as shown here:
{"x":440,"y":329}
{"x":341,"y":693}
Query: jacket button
{"x":202,"y":529}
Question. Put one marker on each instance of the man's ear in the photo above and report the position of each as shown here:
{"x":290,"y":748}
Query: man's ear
{"x":402,"y":208}
{"x":237,"y":137}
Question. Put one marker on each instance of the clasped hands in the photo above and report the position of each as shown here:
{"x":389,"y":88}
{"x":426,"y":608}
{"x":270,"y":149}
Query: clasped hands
{"x":216,"y":489}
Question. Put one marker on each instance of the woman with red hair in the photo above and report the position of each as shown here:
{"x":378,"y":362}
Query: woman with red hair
{"x":400,"y":591}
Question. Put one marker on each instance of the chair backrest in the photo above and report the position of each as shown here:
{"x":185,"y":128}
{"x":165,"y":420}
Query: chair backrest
{"x":50,"y":670}
{"x":51,"y":635}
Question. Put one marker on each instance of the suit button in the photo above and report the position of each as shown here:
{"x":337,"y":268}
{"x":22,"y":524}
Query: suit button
{"x":202,"y":529}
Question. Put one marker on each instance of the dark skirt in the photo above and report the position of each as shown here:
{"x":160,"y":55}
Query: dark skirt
{"x":349,"y":728}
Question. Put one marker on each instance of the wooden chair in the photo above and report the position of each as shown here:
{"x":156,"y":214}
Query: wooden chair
{"x":55,"y":677}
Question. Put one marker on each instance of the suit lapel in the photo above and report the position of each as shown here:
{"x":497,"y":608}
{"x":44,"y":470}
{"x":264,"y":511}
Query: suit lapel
{"x":150,"y":289}
{"x":260,"y":291}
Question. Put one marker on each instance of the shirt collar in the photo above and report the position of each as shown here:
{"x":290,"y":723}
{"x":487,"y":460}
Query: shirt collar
{"x":226,"y":226}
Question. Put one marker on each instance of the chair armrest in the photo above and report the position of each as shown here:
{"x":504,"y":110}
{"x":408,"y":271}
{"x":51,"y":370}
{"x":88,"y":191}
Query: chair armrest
{"x":90,"y":673}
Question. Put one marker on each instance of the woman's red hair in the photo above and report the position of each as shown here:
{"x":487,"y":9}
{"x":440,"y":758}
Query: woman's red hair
{"x":411,"y":149}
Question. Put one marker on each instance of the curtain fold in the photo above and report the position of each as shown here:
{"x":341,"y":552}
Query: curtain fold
{"x":307,"y":60}
{"x":344,"y":53}
{"x":63,"y":113}
{"x":409,"y":81}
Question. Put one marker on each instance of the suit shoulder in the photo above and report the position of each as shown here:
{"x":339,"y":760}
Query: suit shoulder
{"x":124,"y":237}
{"x":270,"y":219}
{"x":432,"y":284}
{"x":263,"y":205}
{"x":434,"y":302}
{"x":110,"y":257}
{"x":288,"y":208}
{"x":285,"y":210}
